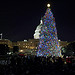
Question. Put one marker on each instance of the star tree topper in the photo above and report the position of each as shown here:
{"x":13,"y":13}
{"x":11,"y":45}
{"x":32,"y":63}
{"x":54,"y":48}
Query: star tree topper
{"x":48,"y":5}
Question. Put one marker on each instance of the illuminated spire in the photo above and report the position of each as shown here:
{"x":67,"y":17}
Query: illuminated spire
{"x":41,"y":22}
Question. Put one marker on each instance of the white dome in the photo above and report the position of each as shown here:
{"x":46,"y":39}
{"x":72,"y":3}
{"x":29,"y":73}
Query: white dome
{"x":37,"y":31}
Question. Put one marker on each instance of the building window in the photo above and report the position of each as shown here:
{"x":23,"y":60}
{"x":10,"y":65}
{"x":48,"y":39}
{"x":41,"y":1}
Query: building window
{"x":26,"y":46}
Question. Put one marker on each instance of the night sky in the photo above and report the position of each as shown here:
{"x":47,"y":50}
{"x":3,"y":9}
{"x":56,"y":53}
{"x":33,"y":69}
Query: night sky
{"x":18,"y":20}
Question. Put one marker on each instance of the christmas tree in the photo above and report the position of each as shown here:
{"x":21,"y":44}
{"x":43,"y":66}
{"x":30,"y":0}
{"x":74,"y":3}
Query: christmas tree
{"x":48,"y":42}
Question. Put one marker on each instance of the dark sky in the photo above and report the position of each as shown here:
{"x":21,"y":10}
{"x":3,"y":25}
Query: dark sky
{"x":19,"y":19}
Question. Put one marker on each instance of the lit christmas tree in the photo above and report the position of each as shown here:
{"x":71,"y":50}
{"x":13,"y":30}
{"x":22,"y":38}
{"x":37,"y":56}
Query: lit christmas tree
{"x":48,"y":42}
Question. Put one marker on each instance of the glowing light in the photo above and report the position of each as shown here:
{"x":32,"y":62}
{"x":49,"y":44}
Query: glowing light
{"x":20,"y":50}
{"x":26,"y":46}
{"x":59,"y":40}
{"x":48,"y":5}
{"x":31,"y":47}
{"x":25,"y":40}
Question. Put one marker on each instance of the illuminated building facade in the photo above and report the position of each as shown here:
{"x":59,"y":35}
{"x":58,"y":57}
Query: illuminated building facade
{"x":6,"y":41}
{"x":27,"y":47}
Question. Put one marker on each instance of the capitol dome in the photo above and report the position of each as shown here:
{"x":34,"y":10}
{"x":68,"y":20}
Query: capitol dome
{"x":37,"y":31}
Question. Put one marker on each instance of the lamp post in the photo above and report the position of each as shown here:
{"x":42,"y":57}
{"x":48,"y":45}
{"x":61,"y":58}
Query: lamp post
{"x":1,"y":36}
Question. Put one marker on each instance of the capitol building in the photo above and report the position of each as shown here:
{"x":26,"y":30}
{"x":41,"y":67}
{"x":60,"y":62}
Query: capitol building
{"x":29,"y":47}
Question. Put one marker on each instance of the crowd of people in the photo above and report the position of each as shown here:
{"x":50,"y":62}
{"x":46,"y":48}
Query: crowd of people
{"x":33,"y":65}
